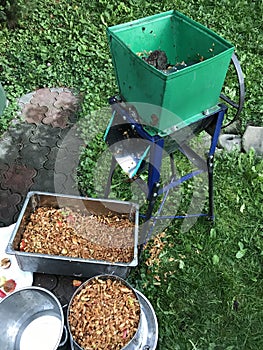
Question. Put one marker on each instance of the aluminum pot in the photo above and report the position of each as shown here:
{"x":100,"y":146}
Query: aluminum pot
{"x":135,"y":340}
{"x":31,"y":318}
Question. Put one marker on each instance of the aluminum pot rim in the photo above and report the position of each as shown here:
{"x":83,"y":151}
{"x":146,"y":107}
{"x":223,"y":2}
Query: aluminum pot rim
{"x":44,"y":291}
{"x":104,"y":276}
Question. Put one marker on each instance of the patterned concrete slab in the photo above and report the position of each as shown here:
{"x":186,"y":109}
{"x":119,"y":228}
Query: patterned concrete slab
{"x":34,"y":155}
{"x":29,"y":149}
{"x":9,"y":151}
{"x":18,"y":178}
{"x":44,"y":181}
{"x":3,"y":169}
{"x":51,"y":159}
{"x":9,"y":209}
{"x":55,"y":107}
{"x":34,"y":114}
{"x":45,"y":136}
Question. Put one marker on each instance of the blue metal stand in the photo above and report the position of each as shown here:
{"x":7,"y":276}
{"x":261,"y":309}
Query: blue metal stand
{"x":134,"y":128}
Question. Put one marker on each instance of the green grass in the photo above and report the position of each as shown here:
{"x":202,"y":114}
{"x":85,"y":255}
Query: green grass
{"x":205,"y":283}
{"x":210,"y":291}
{"x":63,"y":43}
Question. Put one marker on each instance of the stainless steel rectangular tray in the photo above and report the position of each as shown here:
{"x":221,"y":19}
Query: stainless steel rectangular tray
{"x":63,"y":265}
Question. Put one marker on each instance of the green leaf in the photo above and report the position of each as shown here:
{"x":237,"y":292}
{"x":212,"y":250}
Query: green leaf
{"x":241,"y":253}
{"x":181,"y":264}
{"x":213,"y":233}
{"x":241,"y":245}
{"x":215,"y":259}
{"x":242,"y":208}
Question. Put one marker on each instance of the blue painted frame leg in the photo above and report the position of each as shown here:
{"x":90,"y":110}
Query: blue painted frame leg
{"x":210,"y":162}
{"x":155,"y":163}
{"x":154,"y":174}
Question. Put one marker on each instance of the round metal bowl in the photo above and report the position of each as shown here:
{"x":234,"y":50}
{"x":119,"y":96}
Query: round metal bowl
{"x":146,"y":336}
{"x":31,"y":318}
{"x":74,"y":343}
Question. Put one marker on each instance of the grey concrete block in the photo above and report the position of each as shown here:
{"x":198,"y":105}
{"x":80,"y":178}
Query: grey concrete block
{"x":253,"y":138}
{"x":230,"y":142}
